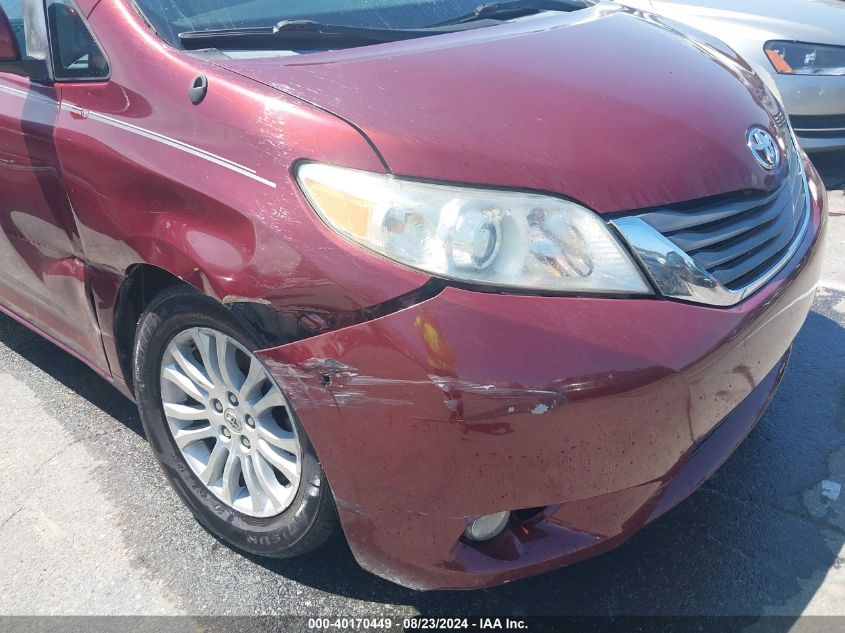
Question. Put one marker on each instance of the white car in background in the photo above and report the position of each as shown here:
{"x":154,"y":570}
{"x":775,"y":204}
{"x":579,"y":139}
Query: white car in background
{"x":800,"y":42}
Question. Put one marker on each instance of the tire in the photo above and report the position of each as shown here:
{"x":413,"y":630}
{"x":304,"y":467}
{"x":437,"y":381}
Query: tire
{"x":309,"y":520}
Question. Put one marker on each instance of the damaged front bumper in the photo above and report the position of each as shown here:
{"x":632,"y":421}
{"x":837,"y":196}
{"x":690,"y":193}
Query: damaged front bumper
{"x":590,"y":416}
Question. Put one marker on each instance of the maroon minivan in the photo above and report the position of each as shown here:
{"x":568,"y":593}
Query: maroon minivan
{"x":489,"y":288}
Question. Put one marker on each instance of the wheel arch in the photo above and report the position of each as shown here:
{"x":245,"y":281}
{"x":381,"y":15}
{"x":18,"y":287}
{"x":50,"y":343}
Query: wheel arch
{"x":144,"y":281}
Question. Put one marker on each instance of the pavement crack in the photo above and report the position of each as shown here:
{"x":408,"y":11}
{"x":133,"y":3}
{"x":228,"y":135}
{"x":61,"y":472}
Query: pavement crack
{"x":72,"y":443}
{"x":57,"y":453}
{"x":804,"y":518}
{"x":9,"y":518}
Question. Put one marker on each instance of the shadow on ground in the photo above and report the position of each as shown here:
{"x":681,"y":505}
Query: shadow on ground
{"x":69,"y":371}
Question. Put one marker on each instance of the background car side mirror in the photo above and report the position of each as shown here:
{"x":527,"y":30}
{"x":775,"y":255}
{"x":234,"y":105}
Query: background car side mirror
{"x":12,"y":60}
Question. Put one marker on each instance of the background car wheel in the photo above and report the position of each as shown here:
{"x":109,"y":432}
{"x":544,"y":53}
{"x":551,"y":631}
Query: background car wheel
{"x":223,"y":432}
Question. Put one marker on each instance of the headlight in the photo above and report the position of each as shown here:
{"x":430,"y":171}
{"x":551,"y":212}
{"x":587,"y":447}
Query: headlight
{"x":797,"y":58}
{"x":497,"y":238}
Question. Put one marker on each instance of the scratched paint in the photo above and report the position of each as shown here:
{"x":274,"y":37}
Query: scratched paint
{"x":348,"y":387}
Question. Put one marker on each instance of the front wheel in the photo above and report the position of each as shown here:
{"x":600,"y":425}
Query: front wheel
{"x":222,"y":430}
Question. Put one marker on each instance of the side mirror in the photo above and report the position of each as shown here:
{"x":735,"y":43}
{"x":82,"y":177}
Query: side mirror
{"x":11,"y":60}
{"x":9,"y":49}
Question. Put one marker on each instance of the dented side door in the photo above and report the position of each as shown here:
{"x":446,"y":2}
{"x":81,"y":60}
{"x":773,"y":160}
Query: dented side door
{"x":42,"y":271}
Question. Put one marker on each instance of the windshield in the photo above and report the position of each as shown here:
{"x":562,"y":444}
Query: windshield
{"x":171,"y":17}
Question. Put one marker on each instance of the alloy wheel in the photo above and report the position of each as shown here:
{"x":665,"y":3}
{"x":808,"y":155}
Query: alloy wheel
{"x":231,"y":422}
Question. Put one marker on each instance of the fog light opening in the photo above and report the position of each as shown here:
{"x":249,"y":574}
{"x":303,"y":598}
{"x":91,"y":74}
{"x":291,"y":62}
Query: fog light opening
{"x":487,"y":527}
{"x":526,"y":514}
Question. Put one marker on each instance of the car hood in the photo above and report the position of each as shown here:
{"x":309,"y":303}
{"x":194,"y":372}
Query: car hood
{"x":817,"y":21}
{"x":606,"y":106}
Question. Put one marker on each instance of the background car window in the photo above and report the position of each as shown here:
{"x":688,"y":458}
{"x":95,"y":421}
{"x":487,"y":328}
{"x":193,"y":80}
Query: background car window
{"x":15,"y":14}
{"x":76,"y":54}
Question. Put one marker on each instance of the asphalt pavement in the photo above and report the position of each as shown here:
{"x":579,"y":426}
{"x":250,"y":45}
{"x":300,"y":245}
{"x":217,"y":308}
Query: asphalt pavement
{"x":89,"y":526}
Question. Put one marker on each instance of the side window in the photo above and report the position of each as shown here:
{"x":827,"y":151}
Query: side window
{"x":14,"y":11}
{"x":76,"y":54}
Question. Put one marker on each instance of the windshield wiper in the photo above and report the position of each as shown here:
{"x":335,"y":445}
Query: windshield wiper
{"x":292,"y":34}
{"x":289,"y":34}
{"x":514,"y":9}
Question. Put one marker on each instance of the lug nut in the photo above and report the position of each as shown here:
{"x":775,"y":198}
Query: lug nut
{"x":218,"y":406}
{"x":233,"y":400}
{"x":249,"y":421}
{"x":226,"y":432}
{"x":245,"y":442}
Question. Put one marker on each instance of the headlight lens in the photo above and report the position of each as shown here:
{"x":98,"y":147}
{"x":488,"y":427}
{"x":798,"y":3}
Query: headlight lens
{"x":798,"y":58}
{"x":497,"y":238}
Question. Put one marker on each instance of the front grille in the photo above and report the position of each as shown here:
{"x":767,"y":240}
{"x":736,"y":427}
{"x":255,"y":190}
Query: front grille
{"x":803,"y":123}
{"x":738,"y":238}
{"x":827,"y":126}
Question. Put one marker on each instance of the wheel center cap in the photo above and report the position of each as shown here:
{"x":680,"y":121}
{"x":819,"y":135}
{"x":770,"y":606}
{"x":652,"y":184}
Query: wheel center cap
{"x":232,"y":421}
